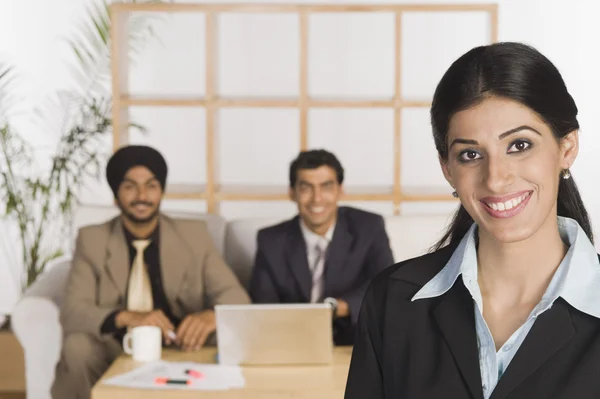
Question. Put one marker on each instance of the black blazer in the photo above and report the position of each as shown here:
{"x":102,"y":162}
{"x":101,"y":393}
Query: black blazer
{"x":428,"y":348}
{"x":358,"y":251}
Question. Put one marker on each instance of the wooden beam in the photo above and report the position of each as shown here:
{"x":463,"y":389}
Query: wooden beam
{"x":238,"y":102}
{"x":297,"y":8}
{"x":304,"y":100}
{"x":211,"y":110}
{"x":340,"y":103}
{"x":397,"y":141}
{"x":416,"y":104}
{"x":494,"y":23}
{"x":267,"y":102}
{"x":186,"y":191}
{"x":119,"y":70}
{"x":145,"y":101}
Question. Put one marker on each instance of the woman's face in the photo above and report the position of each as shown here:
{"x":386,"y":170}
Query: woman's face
{"x":505,"y":164}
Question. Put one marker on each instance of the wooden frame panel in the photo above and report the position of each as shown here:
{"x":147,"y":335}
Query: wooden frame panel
{"x":212,"y":191}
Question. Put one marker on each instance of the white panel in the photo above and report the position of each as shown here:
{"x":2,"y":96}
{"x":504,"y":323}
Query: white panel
{"x":258,"y":55}
{"x":351,"y":55}
{"x":256,"y":146}
{"x":431,"y":41}
{"x":419,"y":167}
{"x":173,"y":62}
{"x":256,"y":209}
{"x":383,"y":208}
{"x":97,"y":192}
{"x":361,"y":139}
{"x":179,"y":134}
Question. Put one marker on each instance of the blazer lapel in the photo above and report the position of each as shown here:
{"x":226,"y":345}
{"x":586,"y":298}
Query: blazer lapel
{"x":456,"y":319}
{"x":297,"y":259}
{"x":117,"y":257}
{"x":550,"y":332}
{"x":175,"y":259}
{"x":339,"y":248}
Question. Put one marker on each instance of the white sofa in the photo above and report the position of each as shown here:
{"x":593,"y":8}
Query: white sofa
{"x":35,"y":319}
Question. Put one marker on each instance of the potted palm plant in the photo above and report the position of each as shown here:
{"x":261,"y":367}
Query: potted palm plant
{"x":38,"y":202}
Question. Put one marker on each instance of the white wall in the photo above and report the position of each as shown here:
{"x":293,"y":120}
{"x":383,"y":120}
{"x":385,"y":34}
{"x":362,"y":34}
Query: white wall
{"x":564,"y":30}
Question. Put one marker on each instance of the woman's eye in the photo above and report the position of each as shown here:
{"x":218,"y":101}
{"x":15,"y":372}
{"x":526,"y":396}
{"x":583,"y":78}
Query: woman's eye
{"x":519,"y":146}
{"x":469,"y":155}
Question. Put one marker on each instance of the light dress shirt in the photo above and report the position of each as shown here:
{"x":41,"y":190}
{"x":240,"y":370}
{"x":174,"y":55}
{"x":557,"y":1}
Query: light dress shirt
{"x":313,"y":243}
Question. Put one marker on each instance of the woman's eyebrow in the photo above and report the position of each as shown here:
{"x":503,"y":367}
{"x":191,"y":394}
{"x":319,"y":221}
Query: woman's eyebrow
{"x":501,"y":136}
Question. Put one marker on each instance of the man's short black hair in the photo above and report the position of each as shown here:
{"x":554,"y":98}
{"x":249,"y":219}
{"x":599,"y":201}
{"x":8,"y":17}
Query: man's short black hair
{"x":313,"y":159}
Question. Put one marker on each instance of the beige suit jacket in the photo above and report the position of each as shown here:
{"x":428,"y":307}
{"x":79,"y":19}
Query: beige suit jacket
{"x":195,"y":277}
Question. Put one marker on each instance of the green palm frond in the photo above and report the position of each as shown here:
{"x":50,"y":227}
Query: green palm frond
{"x":91,"y":43}
{"x":90,"y":69}
{"x":81,"y":116}
{"x":8,"y":97}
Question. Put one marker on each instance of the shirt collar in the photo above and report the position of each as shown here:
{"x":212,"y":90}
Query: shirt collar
{"x":153,"y":237}
{"x":312,"y":238}
{"x":576,"y":279}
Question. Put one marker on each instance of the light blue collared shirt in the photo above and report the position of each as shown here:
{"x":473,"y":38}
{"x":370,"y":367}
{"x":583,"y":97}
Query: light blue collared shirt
{"x":576,"y":280}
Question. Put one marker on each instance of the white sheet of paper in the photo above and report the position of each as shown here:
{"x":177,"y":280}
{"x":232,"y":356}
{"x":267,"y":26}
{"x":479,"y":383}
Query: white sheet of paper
{"x":216,"y":377}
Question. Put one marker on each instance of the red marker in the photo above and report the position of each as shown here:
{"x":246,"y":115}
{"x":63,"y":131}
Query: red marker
{"x":166,"y":381}
{"x":194,"y":373}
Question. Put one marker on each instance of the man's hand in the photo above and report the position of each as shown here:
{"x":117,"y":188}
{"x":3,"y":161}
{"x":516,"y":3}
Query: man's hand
{"x":156,"y":318}
{"x":195,"y":329}
{"x":343,"y":309}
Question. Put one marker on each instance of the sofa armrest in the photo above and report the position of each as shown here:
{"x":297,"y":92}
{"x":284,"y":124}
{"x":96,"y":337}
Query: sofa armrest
{"x":36,"y":324}
{"x":35,"y":321}
{"x":52,"y":283}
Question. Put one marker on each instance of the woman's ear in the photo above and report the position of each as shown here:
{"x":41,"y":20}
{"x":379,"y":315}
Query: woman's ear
{"x":569,"y":148}
{"x":446,"y":171}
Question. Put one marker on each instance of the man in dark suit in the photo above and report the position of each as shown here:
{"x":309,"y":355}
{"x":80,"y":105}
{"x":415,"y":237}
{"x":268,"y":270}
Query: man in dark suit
{"x":324,"y":254}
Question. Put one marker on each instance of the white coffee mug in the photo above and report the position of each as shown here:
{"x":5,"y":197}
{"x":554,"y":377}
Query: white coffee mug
{"x":143,"y":343}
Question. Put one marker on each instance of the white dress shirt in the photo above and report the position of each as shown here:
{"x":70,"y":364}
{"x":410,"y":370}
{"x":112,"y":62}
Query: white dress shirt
{"x":313,"y":240}
{"x":576,"y":280}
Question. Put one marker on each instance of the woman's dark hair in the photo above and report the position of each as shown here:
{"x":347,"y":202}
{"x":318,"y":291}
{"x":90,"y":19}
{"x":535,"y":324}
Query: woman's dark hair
{"x":520,"y":73}
{"x":313,"y":159}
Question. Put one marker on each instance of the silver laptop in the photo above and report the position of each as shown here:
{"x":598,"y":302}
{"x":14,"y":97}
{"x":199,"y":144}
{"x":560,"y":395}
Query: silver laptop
{"x":261,"y":334}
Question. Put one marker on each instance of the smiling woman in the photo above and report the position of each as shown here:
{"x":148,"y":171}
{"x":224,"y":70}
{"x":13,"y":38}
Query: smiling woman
{"x":512,"y":99}
{"x":507,"y":305}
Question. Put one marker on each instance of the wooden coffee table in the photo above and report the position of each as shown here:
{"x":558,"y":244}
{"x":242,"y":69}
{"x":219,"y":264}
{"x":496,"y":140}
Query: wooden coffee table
{"x":283,"y":382}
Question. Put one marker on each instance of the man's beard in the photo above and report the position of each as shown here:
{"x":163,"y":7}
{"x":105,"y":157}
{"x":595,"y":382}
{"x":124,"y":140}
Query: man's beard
{"x":134,"y":219}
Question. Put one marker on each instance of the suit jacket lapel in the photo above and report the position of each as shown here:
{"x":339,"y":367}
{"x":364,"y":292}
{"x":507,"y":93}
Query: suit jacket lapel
{"x":117,"y":257}
{"x":454,"y":314}
{"x":175,"y":259}
{"x":456,"y":319}
{"x":338,"y":250}
{"x":297,"y":259}
{"x":550,"y":332}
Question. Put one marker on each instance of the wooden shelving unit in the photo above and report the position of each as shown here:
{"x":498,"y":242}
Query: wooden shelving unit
{"x":12,"y":366}
{"x":212,"y":192}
